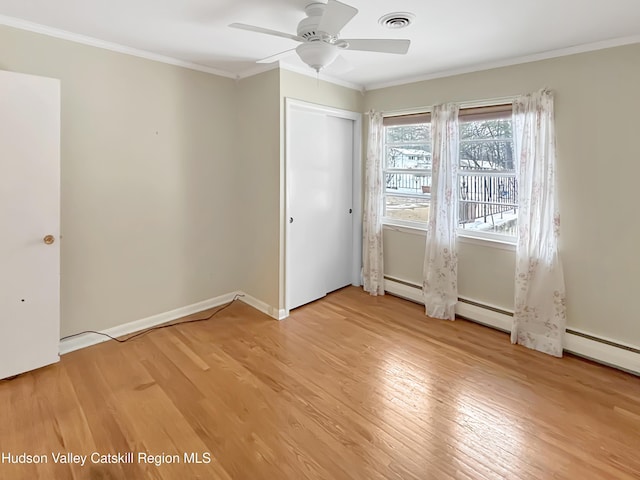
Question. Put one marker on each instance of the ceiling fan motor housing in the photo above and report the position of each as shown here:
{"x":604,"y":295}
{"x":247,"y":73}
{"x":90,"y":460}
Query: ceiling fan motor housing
{"x":308,"y":27}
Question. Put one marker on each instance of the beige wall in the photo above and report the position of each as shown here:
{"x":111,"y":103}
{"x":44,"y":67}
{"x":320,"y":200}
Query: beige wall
{"x":171,"y":179}
{"x":597,"y":100}
{"x":258,"y":157}
{"x":493,"y":286}
{"x":309,"y":89}
{"x":147,"y":158}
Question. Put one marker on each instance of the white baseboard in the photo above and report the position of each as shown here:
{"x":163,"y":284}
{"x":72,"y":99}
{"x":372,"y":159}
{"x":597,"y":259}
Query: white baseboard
{"x":404,"y":290}
{"x":603,"y":353}
{"x":262,"y":306}
{"x":88,"y":339}
{"x":485,"y":316}
{"x":598,"y":351}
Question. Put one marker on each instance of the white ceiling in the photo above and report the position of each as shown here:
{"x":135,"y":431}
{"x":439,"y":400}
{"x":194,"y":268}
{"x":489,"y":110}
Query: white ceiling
{"x":447,"y":36}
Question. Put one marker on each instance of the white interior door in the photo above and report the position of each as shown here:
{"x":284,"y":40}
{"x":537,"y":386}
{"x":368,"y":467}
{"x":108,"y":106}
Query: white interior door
{"x":29,"y":212}
{"x":339,"y":225}
{"x":321,"y":212}
{"x":309,"y":202}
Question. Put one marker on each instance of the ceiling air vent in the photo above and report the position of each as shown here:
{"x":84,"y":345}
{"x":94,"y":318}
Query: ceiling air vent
{"x":396,"y":20}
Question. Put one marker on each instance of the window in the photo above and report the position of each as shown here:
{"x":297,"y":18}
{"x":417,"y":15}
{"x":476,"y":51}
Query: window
{"x":488,"y":189}
{"x":487,"y":184}
{"x":407,"y":168}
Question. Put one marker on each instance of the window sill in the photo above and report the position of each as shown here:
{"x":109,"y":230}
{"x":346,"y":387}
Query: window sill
{"x":408,"y":227}
{"x":501,"y":243}
{"x":463,"y":236}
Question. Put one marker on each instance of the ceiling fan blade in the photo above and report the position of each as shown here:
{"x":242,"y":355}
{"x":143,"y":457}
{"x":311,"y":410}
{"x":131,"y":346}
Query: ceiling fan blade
{"x":276,"y":57}
{"x":336,"y":15}
{"x":378,"y":45}
{"x":252,"y":28}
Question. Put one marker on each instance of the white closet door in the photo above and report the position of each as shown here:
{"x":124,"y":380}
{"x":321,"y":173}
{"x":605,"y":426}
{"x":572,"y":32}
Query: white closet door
{"x":308,"y":184}
{"x":29,"y":212}
{"x":319,"y":248}
{"x":339,"y":227}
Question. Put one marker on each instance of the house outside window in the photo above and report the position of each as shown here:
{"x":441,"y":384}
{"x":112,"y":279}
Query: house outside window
{"x":487,"y":184}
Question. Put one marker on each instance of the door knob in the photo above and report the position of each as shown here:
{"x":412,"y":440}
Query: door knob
{"x":290,"y":219}
{"x":49,"y":239}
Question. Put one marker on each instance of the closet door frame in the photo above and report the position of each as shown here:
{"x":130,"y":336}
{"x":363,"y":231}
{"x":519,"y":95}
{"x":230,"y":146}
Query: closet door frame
{"x":292,"y":105}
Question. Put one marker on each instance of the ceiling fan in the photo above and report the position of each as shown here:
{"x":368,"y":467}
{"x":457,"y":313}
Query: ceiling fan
{"x":318,"y":34}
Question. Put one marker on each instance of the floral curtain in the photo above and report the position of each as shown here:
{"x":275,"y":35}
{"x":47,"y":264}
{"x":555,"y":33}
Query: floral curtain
{"x":539,"y":318}
{"x":373,"y":274}
{"x":440,"y":274}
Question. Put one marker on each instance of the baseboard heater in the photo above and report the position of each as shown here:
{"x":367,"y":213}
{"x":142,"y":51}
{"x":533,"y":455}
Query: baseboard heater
{"x":583,"y":344}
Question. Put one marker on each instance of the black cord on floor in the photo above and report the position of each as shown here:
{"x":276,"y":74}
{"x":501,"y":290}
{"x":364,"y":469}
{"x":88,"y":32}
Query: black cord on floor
{"x":144,"y":332}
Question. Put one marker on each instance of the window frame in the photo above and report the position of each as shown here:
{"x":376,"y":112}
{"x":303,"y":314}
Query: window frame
{"x":415,"y":118}
{"x":496,"y":111}
{"x":482,"y":110}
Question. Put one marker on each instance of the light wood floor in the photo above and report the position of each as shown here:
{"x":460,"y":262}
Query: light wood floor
{"x":349,"y":387}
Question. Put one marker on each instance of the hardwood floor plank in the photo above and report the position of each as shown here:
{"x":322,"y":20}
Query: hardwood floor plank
{"x":328,"y":419}
{"x":348,"y":387}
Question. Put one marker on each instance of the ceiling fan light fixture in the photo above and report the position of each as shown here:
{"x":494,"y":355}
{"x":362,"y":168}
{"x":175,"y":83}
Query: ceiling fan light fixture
{"x":317,"y":55}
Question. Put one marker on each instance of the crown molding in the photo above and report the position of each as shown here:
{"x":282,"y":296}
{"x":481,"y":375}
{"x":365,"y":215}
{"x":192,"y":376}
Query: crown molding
{"x":115,"y":47}
{"x":562,"y":52}
{"x":257,"y":70}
